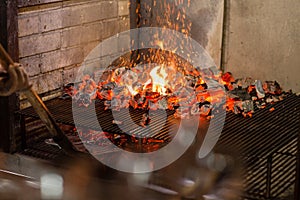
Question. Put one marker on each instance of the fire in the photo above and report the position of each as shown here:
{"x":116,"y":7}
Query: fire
{"x":131,"y":90}
{"x":160,"y":44}
{"x":158,"y":77}
{"x":173,"y":82}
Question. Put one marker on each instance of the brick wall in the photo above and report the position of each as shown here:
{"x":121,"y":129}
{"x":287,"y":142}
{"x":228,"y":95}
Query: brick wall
{"x":55,"y":38}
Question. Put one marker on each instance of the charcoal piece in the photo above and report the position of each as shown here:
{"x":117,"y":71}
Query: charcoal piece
{"x":252,"y":91}
{"x":184,"y":92}
{"x":182,"y":112}
{"x":259,"y":89}
{"x":162,"y":103}
{"x":141,"y":100}
{"x":119,"y":89}
{"x":203,"y":86}
{"x":260,"y":104}
{"x":145,"y":120}
{"x":230,"y":95}
{"x":76,"y":96}
{"x":153,"y":106}
{"x":133,"y":103}
{"x":69,"y":85}
{"x":105,"y":94}
{"x":272,"y":87}
{"x":245,"y":82}
{"x":116,"y":136}
{"x":205,"y":109}
{"x":242,"y":107}
{"x":275,"y":98}
{"x":115,"y":104}
{"x":181,"y":115}
{"x":237,"y":107}
{"x":84,"y":99}
{"x":269,"y":100}
{"x":191,"y":80}
{"x":65,"y":96}
{"x":254,"y":98}
{"x":169,"y":91}
{"x":228,"y":88}
{"x":107,"y":103}
{"x":200,"y":88}
{"x":227,"y":77}
{"x":247,"y":106}
{"x":137,"y":97}
{"x":204,"y":97}
{"x":241,"y":93}
{"x":109,"y":86}
{"x":124,"y":103}
{"x":195,"y":109}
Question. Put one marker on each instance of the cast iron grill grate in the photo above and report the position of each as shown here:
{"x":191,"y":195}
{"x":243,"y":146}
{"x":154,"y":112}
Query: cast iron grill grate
{"x":267,"y":141}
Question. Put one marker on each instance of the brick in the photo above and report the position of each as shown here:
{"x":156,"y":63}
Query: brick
{"x":69,"y":75}
{"x":51,"y":61}
{"x":92,"y":12}
{"x":124,"y":43}
{"x":110,"y":28}
{"x":124,"y":24}
{"x":108,"y":47}
{"x":35,"y":44}
{"x":91,"y":32}
{"x":54,"y":80}
{"x":109,"y":9}
{"x":72,"y":56}
{"x":47,"y":82}
{"x":71,"y":36}
{"x":123,"y":8}
{"x":71,"y":16}
{"x":28,"y":24}
{"x":87,"y":48}
{"x":51,"y":20}
{"x":99,"y":10}
{"x":31,"y":65}
{"x":95,"y":52}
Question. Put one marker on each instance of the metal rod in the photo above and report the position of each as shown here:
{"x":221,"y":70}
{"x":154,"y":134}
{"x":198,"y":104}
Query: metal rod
{"x":297,"y":182}
{"x":269,"y":176}
{"x":6,"y":58}
{"x":224,"y":34}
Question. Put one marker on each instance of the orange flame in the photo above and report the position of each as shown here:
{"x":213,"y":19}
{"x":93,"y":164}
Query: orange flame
{"x":158,"y":76}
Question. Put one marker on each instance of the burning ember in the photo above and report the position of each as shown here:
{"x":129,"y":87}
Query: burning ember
{"x":160,"y":87}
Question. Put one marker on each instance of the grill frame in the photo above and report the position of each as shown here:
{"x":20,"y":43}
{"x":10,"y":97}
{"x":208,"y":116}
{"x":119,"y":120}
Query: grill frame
{"x":268,"y":144}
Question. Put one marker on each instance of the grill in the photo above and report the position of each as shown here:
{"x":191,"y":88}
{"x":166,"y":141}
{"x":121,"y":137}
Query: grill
{"x":267,"y":141}
{"x":268,"y":146}
{"x":62,"y":112}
